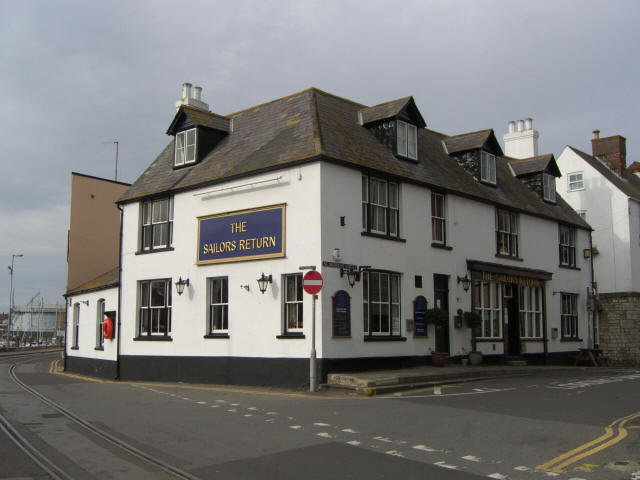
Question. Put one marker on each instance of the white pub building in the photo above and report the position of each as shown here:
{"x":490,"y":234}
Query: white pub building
{"x":402,"y":222}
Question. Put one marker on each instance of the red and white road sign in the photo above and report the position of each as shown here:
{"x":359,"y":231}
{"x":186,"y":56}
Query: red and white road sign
{"x":312,"y":282}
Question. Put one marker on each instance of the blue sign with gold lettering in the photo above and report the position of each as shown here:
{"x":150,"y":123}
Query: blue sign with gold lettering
{"x":242,"y":235}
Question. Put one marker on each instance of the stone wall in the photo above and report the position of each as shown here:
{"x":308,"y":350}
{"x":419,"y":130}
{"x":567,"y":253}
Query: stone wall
{"x":620,"y":327}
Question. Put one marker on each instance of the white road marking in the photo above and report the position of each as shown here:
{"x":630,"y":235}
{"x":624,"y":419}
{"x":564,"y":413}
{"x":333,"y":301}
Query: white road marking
{"x":355,"y":443}
{"x":235,"y":404}
{"x":425,"y":448}
{"x":471,"y":458}
{"x":383,"y":439}
{"x":320,"y":424}
{"x":443,"y":464}
{"x":215,"y":406}
{"x":324,"y":435}
{"x":498,"y":476}
{"x":348,"y":430}
{"x":522,"y":468}
{"x":232,"y":410}
{"x":437,"y":390}
{"x":272,"y":413}
{"x":252,"y":408}
{"x":295,"y":427}
{"x":248,"y":414}
{"x":455,"y":394}
{"x":201,"y":403}
{"x":395,"y":453}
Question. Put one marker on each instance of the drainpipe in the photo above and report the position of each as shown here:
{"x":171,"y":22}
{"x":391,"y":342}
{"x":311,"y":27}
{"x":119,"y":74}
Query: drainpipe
{"x":119,"y":314}
{"x":66,"y":319}
{"x":593,"y":290}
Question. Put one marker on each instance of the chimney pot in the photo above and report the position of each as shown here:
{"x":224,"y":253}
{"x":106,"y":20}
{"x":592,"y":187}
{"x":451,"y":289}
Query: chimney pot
{"x":196,"y":92}
{"x":520,"y":125}
{"x":512,"y":126}
{"x":186,"y":90}
{"x":528,"y":123}
{"x":596,"y":134}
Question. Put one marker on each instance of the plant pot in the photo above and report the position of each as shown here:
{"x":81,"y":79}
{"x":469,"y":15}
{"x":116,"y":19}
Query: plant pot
{"x":475,"y":358}
{"x":439,"y":359}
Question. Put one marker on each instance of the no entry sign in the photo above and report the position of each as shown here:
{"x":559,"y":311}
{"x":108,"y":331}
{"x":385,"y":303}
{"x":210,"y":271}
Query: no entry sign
{"x":312,"y":282}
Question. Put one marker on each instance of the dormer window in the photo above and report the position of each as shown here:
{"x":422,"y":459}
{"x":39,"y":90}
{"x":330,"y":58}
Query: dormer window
{"x":185,"y":147}
{"x":407,"y":140}
{"x":549,"y":187}
{"x":488,"y":167}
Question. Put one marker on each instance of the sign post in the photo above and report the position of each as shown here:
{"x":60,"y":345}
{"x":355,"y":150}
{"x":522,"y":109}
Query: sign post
{"x":312,"y":284}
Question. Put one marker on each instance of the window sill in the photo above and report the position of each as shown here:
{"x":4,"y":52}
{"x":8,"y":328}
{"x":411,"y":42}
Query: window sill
{"x":99,"y":348}
{"x":509,"y":257}
{"x":569,"y":267}
{"x":421,"y":336}
{"x":531,"y":340}
{"x":155,"y":250}
{"x":74,"y":348}
{"x":571,"y":340}
{"x":490,"y":339}
{"x":384,"y":338}
{"x":441,"y":246}
{"x":383,"y":237}
{"x":153,"y":338}
{"x":290,"y":336}
{"x":488,"y":183}
{"x":217,"y":335}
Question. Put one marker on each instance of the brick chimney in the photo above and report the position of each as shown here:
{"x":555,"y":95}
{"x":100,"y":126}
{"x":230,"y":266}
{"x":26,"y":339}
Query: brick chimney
{"x":634,"y":168}
{"x":612,"y":150}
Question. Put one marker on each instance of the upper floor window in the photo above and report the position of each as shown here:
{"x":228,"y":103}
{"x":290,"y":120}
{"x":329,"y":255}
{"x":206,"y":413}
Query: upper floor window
{"x":549,"y":187}
{"x":157,"y":224}
{"x":293,"y":304}
{"x":154,"y":308}
{"x":380,"y":206}
{"x":576,"y":181}
{"x":185,"y":147}
{"x":567,"y":246}
{"x":569,"y":316}
{"x":488,"y":167}
{"x":218,"y":305}
{"x":381,"y":303}
{"x":506,"y":232}
{"x":438,"y":218}
{"x":407,"y":140}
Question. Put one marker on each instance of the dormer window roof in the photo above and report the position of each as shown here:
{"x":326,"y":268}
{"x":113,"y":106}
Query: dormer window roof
{"x":477,"y":153}
{"x":539,"y":173}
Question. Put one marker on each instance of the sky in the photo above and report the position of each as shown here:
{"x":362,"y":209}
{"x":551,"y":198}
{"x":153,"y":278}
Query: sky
{"x":76,"y":76}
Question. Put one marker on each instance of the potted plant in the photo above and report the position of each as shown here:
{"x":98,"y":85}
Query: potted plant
{"x":439,"y":318}
{"x":474,"y":321}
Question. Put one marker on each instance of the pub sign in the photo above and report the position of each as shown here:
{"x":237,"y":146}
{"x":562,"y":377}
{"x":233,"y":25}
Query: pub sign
{"x":242,"y":235}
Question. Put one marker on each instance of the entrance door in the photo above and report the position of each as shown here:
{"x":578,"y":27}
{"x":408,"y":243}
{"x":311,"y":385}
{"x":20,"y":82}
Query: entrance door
{"x":512,"y":318}
{"x":441,"y":300}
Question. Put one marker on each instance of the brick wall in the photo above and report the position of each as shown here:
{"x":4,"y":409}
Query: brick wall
{"x":620,"y":328}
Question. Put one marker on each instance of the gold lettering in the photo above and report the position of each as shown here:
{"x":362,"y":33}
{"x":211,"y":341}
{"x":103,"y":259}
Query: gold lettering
{"x":238,"y":227}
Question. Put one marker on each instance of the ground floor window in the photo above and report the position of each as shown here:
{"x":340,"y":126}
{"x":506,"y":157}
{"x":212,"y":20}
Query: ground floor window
{"x":218,"y":305}
{"x":381,"y":295}
{"x":569,"y":316}
{"x":99,"y":323}
{"x":530,"y":306}
{"x":154,"y":307}
{"x":487,"y":303}
{"x":76,"y":325}
{"x":293,"y":303}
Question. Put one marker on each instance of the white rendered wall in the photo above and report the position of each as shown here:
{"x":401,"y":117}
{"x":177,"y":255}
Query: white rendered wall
{"x":471,"y":233}
{"x":608,"y":214}
{"x":87,"y":338}
{"x":255,"y":319}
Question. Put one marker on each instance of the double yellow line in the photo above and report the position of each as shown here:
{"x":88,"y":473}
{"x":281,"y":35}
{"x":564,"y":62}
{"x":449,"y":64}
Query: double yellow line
{"x":614,"y":433}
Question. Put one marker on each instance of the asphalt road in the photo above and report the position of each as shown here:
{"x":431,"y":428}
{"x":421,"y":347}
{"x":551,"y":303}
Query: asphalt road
{"x":577,"y":425}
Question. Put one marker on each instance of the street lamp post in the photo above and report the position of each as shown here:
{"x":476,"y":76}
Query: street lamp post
{"x":13,"y":258}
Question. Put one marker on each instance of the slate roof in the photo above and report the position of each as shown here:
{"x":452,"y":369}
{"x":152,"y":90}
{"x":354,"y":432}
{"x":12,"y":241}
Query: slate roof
{"x":313,"y":125}
{"x":390,"y":110}
{"x":202,"y":118}
{"x":106,"y":280}
{"x":540,"y":163}
{"x":471,"y":141}
{"x":628,"y":183}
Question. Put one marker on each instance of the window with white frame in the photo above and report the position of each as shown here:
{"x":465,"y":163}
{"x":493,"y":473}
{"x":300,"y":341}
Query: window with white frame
{"x":380,"y":206}
{"x":381,"y":303}
{"x":506,"y":232}
{"x":76,"y":326}
{"x":438,"y":218}
{"x":154,"y":308}
{"x":488,"y":167}
{"x":185,"y":152}
{"x":99,"y":323}
{"x":407,"y":140}
{"x":293,"y":305}
{"x":569,"y":316}
{"x":567,"y":246}
{"x":549,"y":187}
{"x":576,"y":181}
{"x":530,"y":306}
{"x":487,"y":303}
{"x":218,"y":305}
{"x":156,"y":224}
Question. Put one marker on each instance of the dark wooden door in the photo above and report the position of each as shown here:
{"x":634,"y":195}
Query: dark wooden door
{"x":441,"y":300}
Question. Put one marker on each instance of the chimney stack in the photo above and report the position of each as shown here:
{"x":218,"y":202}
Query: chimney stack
{"x":611,"y":150}
{"x":191,"y":97}
{"x":521,"y":141}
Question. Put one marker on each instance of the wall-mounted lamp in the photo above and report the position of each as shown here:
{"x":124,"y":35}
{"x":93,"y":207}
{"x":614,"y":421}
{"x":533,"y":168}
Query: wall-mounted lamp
{"x":466,"y":282}
{"x":335,"y":254}
{"x":353,"y":273}
{"x":246,"y":287}
{"x":263,"y":282}
{"x":180,"y":284}
{"x":86,"y":302}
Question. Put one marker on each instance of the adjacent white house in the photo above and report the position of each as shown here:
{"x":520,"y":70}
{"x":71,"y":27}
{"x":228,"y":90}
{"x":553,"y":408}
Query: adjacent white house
{"x":219,"y":230}
{"x":606,"y":193}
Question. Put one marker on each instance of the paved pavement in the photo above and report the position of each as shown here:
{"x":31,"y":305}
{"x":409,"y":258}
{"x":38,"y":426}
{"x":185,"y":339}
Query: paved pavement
{"x":386,"y":381}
